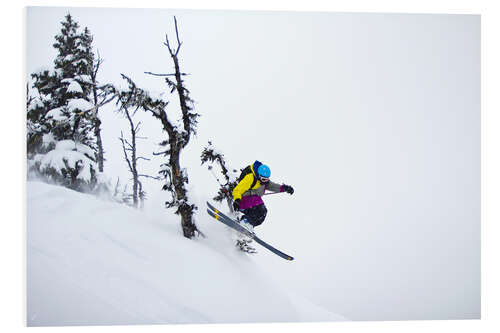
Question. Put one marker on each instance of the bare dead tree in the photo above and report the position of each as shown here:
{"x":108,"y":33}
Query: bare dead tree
{"x":128,"y":150}
{"x":174,"y":175}
{"x":128,"y":106}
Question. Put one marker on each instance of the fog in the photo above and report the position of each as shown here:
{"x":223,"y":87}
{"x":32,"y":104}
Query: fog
{"x":373,"y":118}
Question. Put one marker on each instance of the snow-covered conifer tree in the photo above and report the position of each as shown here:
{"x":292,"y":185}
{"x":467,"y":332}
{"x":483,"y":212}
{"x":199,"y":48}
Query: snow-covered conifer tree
{"x":62,"y":145}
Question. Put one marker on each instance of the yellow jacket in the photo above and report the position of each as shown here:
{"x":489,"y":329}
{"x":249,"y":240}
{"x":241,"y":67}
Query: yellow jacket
{"x":243,"y":187}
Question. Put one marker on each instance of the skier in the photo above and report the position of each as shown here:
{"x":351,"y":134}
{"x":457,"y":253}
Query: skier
{"x":247,"y":195}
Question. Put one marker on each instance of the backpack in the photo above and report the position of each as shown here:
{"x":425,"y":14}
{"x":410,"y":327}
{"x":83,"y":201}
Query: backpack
{"x":245,"y":172}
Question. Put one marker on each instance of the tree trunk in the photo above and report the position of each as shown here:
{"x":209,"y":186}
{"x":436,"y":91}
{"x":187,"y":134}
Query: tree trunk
{"x":134,"y":168}
{"x":177,"y":141}
{"x":185,"y":210}
{"x":100,"y":150}
{"x":96,"y":120}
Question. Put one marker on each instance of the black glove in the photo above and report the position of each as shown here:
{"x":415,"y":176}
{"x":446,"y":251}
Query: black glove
{"x":236,"y":205}
{"x":288,"y":189}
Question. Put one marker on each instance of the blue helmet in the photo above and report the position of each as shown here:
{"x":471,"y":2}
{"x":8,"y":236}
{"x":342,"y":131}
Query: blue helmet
{"x":264,"y":171}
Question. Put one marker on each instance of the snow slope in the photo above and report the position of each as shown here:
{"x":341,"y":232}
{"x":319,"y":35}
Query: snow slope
{"x":94,"y":262}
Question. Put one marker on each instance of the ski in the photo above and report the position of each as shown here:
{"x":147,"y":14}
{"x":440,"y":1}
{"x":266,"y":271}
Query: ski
{"x":230,"y":223}
{"x":218,"y":215}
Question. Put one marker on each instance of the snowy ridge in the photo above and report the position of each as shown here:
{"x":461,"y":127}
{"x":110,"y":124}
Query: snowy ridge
{"x":93,"y":262}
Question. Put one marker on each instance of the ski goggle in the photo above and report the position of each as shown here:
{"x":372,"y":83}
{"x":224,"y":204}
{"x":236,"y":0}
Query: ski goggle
{"x":264,"y":179}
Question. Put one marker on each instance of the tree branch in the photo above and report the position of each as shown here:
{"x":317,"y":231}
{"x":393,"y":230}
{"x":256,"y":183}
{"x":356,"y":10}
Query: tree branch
{"x":98,"y":64}
{"x":128,"y":143}
{"x":137,"y":128}
{"x":168,"y":45}
{"x":148,"y":176}
{"x":125,"y":152}
{"x":156,"y":74}
{"x":177,"y":34}
{"x":166,"y":152}
{"x":159,"y":74}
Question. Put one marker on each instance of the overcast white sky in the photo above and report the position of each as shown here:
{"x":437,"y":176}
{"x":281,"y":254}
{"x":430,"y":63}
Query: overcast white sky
{"x":373,"y":118}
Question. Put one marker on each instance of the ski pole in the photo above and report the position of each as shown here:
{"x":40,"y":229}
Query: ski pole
{"x":218,"y":181}
{"x":272,"y":193}
{"x":229,"y":197}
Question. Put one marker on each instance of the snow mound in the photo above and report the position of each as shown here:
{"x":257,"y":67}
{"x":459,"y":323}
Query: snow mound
{"x":79,"y":104}
{"x":93,"y":262}
{"x":70,"y":153}
{"x":56,"y":114}
{"x":74,"y":86}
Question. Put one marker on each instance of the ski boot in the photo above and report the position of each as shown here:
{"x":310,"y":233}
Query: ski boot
{"x":247,"y":225}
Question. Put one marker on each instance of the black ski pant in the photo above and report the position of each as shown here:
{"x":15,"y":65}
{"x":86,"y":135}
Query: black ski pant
{"x":255,"y":215}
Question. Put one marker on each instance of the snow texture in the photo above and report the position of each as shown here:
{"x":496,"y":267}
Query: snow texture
{"x":48,"y":138}
{"x":98,"y":263}
{"x":35,"y":103}
{"x":56,"y":114}
{"x":157,"y":95}
{"x":75,"y":87}
{"x":79,"y":104}
{"x":85,"y":78}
